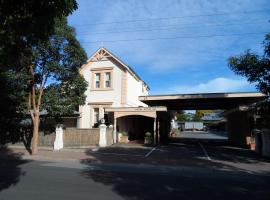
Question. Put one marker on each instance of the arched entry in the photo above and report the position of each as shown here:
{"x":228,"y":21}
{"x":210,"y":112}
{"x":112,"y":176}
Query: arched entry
{"x":136,"y":126}
{"x":147,"y":116}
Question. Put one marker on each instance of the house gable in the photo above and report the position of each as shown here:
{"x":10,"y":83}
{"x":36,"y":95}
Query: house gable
{"x":103,"y":54}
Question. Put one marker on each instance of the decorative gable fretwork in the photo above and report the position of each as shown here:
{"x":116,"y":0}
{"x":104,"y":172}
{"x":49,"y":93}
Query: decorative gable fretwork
{"x":101,"y":55}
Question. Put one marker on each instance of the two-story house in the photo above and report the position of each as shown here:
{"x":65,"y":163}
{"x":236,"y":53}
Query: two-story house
{"x":111,"y":83}
{"x":113,"y":95}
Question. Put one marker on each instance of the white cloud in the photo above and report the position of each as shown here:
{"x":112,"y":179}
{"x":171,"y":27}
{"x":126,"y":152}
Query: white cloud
{"x":219,"y":84}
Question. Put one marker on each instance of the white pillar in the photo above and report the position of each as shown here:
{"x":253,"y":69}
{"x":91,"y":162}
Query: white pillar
{"x":114,"y":131}
{"x":155,"y":132}
{"x":58,"y":143}
{"x":158,"y":132}
{"x":102,"y":135}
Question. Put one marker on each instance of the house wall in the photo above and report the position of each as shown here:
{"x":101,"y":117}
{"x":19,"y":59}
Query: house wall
{"x":110,"y":95}
{"x":118,"y":96}
{"x":134,"y":90}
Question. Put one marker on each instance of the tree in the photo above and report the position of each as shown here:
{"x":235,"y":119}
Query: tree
{"x":183,"y":116}
{"x":53,"y":76}
{"x":12,"y":106}
{"x":200,"y":113}
{"x":23,"y":23}
{"x":256,"y":68}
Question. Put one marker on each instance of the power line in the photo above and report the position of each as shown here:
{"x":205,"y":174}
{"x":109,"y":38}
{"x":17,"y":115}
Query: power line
{"x":167,"y":28}
{"x":177,"y":17}
{"x":177,"y":37}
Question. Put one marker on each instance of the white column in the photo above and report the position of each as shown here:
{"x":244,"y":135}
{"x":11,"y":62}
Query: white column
{"x":102,"y":135}
{"x":114,"y":131}
{"x":155,"y":132}
{"x":58,"y":143}
{"x":158,"y":131}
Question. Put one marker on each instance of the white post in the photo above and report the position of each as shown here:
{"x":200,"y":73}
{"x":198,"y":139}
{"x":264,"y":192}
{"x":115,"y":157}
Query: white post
{"x":155,"y":132}
{"x":114,"y":131}
{"x":58,"y":143}
{"x":102,"y":135}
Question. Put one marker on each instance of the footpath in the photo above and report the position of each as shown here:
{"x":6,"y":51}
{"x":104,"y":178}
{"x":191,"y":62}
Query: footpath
{"x":45,"y":154}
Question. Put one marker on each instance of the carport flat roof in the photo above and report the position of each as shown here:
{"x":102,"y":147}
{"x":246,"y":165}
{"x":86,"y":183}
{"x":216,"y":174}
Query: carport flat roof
{"x":136,"y":109}
{"x":203,"y":100}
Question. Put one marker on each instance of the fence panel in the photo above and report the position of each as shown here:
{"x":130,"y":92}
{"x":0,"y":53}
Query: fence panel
{"x":74,"y":137}
{"x":109,"y":136}
{"x":46,"y":139}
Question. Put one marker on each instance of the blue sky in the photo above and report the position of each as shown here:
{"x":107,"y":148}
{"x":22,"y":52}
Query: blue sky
{"x":176,"y":46}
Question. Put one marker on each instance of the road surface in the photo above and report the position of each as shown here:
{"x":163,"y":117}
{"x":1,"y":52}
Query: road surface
{"x":186,"y":173}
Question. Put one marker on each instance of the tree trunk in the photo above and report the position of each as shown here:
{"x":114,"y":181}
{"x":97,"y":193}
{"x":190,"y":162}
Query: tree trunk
{"x":35,"y":133}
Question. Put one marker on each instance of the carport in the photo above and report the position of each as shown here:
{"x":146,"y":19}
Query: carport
{"x":138,"y":120}
{"x":236,"y":106}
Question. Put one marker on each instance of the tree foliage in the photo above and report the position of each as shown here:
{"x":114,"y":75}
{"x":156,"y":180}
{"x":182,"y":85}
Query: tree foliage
{"x":257,"y":70}
{"x":23,"y":23}
{"x":200,"y":113}
{"x":55,"y":65}
{"x":255,"y":67}
{"x":184,"y":116}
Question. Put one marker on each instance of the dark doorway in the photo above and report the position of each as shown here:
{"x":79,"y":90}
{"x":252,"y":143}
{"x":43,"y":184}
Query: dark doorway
{"x":135,"y":126}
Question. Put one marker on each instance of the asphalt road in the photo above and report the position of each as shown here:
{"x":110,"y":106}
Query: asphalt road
{"x":211,"y":135}
{"x":229,"y":174}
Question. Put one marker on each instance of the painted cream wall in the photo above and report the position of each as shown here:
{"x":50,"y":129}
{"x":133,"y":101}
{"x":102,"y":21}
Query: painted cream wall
{"x":134,"y":90}
{"x":113,"y":95}
{"x":85,"y":116}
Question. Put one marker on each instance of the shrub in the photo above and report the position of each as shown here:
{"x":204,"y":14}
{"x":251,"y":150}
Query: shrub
{"x":124,"y":133}
{"x":148,"y":134}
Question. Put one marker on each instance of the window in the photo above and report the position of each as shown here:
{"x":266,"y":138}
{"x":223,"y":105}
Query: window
{"x":96,"y":115}
{"x":108,"y":79}
{"x":102,"y":78}
{"x":97,"y":80}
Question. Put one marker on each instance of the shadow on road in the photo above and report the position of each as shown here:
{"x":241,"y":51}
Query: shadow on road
{"x":185,"y":186}
{"x":10,"y":171}
{"x":196,"y":177}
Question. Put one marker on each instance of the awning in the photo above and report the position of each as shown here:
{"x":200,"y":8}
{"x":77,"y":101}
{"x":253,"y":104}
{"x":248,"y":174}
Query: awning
{"x":203,"y":101}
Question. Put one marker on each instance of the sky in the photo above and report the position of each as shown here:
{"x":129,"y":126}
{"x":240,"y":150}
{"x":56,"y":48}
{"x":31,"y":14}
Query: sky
{"x":176,"y":46}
